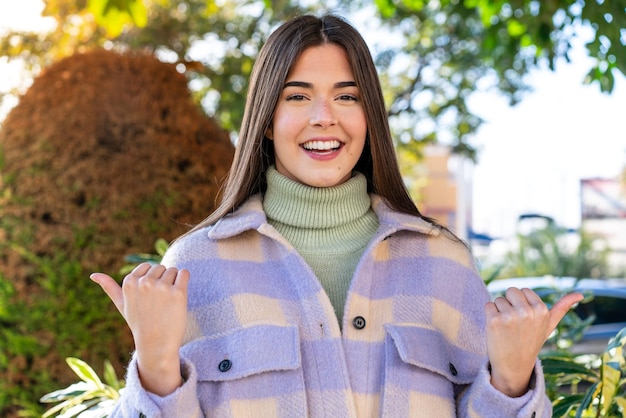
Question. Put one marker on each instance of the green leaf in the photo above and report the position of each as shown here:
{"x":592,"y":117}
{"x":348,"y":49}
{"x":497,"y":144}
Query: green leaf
{"x":78,"y":409}
{"x":612,"y":364}
{"x":415,"y":5}
{"x":110,"y":377}
{"x":621,"y":402}
{"x":610,"y":382}
{"x":586,"y":400}
{"x":75,"y":406}
{"x":143,"y":257}
{"x":67,"y":393}
{"x":56,"y":409}
{"x":161,"y":246}
{"x":114,"y":15}
{"x":68,"y":404}
{"x":619,"y":340}
{"x":386,"y":8}
{"x":74,"y":411}
{"x":556,"y":366}
{"x":563,"y":405}
{"x":516,"y":28}
{"x":84,"y":371}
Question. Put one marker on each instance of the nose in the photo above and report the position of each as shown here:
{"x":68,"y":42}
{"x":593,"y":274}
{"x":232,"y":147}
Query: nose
{"x":322,"y":114}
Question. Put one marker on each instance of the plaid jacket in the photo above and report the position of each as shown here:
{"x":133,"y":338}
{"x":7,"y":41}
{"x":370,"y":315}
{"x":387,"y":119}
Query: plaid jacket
{"x":263,"y":340}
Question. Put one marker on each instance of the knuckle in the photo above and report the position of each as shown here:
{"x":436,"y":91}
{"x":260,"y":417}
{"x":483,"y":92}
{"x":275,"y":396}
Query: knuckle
{"x":542,"y":309}
{"x":128,"y":281}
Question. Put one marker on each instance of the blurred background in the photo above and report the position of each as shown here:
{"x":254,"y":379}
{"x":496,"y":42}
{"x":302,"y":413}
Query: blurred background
{"x":118,"y":120}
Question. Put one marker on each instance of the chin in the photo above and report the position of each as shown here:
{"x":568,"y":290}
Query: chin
{"x":327,"y":182}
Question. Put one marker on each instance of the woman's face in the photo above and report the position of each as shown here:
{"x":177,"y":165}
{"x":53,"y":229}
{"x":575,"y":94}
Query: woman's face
{"x":319,"y":125}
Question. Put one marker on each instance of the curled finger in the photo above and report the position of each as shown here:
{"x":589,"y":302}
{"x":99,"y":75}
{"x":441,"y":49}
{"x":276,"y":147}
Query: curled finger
{"x":502,"y":304}
{"x":516,"y":297}
{"x":532,"y":297}
{"x":140,"y":270}
{"x":182,"y":278}
{"x":169,"y":275}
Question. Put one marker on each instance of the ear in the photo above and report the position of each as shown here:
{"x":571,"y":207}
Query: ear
{"x":269,"y":134}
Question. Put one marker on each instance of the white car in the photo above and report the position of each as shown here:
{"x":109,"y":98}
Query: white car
{"x":608,"y":305}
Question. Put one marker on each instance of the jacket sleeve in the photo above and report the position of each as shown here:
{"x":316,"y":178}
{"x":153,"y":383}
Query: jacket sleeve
{"x":136,"y":402}
{"x":481,"y":399}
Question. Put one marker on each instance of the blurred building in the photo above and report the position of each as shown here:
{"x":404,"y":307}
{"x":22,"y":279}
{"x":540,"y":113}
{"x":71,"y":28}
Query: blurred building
{"x":603,"y":214}
{"x":446,"y":192}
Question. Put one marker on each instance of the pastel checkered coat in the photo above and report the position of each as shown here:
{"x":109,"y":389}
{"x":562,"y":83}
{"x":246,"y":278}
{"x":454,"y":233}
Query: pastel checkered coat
{"x":263,"y":340}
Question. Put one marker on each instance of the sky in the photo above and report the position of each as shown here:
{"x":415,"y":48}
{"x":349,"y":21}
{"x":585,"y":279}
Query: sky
{"x":531,"y":156}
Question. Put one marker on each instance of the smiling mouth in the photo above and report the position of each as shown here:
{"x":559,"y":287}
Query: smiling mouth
{"x":322,"y":146}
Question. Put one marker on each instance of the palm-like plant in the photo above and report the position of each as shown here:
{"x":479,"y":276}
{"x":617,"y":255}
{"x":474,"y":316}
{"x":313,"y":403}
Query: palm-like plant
{"x":91,"y":397}
{"x":604,"y":378}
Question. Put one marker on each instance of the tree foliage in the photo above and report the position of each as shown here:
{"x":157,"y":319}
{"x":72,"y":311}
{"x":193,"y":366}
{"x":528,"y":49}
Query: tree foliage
{"x":444,"y":49}
{"x":451,"y":46}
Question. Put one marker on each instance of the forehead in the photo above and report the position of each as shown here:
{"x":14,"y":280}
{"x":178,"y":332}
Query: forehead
{"x":327,"y":60}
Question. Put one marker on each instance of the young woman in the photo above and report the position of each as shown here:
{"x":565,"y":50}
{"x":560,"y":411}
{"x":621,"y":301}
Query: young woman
{"x":317,"y":289}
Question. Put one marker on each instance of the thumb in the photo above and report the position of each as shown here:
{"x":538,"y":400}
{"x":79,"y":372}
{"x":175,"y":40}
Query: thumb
{"x":111,"y":288}
{"x":560,"y":308}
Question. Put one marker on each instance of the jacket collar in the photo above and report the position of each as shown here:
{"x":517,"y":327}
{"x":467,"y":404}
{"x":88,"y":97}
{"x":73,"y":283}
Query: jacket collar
{"x":392,"y":221}
{"x":250,"y":216}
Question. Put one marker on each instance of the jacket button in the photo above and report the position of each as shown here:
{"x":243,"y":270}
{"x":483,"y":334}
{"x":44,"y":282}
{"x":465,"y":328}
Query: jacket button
{"x":358,"y":322}
{"x":452,"y":369}
{"x":225,"y":365}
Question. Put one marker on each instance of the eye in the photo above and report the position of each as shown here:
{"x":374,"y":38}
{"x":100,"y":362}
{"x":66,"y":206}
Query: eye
{"x":348,"y":97}
{"x":296,"y":97}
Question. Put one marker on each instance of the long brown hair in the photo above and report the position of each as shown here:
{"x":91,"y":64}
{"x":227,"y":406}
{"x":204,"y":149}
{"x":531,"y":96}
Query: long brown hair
{"x":255,"y":153}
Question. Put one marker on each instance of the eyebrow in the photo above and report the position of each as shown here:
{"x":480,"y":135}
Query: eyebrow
{"x":303,"y":84}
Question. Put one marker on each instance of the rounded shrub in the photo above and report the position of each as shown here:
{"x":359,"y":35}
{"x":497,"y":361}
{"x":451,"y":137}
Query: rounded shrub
{"x":105,"y":153}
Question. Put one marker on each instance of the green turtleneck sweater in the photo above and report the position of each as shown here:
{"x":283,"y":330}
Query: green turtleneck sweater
{"x":329,"y":227}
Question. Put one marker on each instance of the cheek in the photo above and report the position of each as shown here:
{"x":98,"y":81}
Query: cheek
{"x":358,"y":129}
{"x":357,"y":122}
{"x":285,"y":120}
{"x":283,"y":133}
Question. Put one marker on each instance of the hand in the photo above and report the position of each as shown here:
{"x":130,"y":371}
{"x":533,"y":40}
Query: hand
{"x":518,"y":325}
{"x":153,"y":301}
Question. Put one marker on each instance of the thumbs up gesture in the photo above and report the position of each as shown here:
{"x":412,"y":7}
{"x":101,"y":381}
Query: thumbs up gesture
{"x":153,"y":301}
{"x":518,"y":325}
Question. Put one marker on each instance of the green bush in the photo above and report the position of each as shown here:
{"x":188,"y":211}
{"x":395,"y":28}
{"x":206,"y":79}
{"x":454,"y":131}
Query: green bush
{"x":547,"y":251}
{"x":64,"y":314}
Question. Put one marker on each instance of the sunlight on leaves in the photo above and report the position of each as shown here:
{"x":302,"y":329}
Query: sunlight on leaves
{"x":115,"y":15}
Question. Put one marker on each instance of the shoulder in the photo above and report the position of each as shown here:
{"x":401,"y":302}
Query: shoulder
{"x":235,"y":226}
{"x":448,"y":246}
{"x":194,"y":245}
{"x":415,"y":233}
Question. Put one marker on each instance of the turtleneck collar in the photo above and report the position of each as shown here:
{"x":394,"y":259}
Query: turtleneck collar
{"x":298,"y":205}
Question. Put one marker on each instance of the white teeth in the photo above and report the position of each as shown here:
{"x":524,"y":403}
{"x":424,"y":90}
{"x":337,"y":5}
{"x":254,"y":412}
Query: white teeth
{"x":321,"y":145}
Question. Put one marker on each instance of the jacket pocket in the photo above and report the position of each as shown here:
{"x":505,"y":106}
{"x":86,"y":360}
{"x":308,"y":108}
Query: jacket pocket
{"x":244,"y":352}
{"x":423,"y":372}
{"x":428,"y":349}
{"x":250,"y":371}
